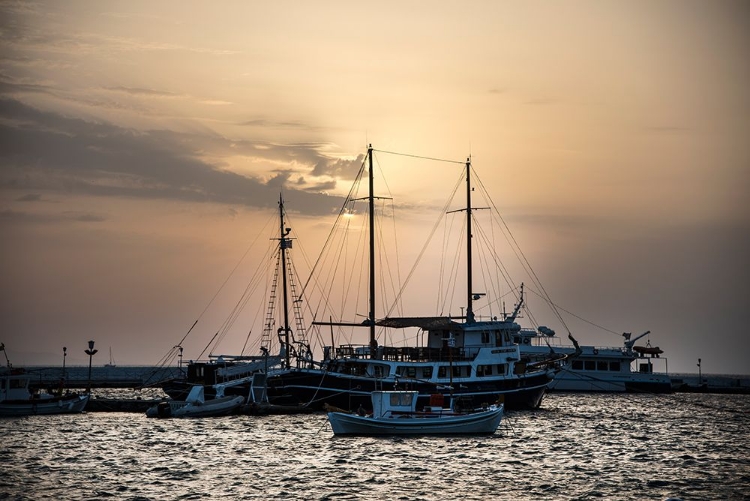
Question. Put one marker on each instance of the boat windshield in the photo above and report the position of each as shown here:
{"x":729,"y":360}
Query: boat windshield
{"x":401,"y":399}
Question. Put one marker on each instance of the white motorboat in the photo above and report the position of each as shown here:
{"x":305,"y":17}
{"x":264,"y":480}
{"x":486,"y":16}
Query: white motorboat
{"x":17,"y":400}
{"x":395,"y":413}
{"x":195,"y":405}
{"x":628,"y":368}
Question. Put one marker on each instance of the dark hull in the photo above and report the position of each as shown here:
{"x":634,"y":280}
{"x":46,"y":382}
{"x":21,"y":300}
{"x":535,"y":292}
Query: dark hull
{"x":316,"y":388}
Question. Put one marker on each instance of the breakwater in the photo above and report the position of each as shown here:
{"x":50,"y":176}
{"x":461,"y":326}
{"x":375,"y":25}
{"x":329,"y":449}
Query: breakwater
{"x":711,"y":383}
{"x":77,"y":377}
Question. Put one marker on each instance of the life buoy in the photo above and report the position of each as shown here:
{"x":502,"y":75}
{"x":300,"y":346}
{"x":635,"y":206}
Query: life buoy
{"x":596,"y":352}
{"x":526,"y":341}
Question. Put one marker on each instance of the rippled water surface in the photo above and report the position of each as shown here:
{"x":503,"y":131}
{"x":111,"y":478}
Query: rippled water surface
{"x":685,"y":446}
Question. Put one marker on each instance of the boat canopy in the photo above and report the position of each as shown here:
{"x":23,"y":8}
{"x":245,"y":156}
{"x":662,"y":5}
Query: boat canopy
{"x":425,"y":323}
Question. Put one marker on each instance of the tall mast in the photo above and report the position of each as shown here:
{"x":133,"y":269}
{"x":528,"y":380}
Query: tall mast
{"x":469,"y":308}
{"x":283,"y":246}
{"x":371,"y":199}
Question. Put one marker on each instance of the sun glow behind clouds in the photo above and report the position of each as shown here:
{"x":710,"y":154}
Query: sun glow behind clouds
{"x":612,"y":136}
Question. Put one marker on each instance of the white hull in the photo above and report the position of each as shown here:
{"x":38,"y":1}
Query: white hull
{"x":569,"y":380}
{"x":210,"y":408}
{"x":44,"y":406}
{"x":602,"y":369}
{"x":482,"y":422}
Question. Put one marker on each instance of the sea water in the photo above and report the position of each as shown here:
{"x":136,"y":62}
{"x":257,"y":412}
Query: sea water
{"x":577,"y":446}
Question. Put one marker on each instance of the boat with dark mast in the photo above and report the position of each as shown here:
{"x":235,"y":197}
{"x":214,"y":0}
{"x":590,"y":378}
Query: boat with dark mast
{"x":472,"y":361}
{"x":246,"y":374}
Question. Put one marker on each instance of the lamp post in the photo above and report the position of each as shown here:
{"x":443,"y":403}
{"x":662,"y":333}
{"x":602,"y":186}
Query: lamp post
{"x":62,"y":377}
{"x":90,"y":352}
{"x":180,"y":348}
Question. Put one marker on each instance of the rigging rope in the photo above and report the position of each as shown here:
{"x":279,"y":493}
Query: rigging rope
{"x":578,"y":317}
{"x":422,"y":157}
{"x":524,"y":261}
{"x":424,"y":248}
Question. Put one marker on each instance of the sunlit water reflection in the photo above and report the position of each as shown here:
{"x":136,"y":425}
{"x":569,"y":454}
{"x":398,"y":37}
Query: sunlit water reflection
{"x":576,"y":447}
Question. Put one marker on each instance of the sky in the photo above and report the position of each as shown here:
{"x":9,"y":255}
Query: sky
{"x":143,"y":147}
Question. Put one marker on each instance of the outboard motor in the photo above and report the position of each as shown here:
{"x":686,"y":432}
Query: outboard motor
{"x":164,"y":410}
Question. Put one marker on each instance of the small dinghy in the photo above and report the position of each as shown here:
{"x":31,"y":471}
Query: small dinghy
{"x":195,"y":405}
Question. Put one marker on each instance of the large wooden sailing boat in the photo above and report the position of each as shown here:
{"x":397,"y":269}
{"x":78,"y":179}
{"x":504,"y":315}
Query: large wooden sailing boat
{"x":246,"y":374}
{"x":475,"y":362}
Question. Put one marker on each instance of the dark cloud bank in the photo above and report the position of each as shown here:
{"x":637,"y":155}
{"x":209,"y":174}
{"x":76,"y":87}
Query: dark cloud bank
{"x":45,"y":151}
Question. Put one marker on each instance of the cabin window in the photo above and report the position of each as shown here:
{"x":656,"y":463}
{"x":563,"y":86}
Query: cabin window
{"x":498,"y":338}
{"x":602,"y":366}
{"x":506,"y":335}
{"x":484,"y":370}
{"x":485,"y":337}
{"x":401,"y":399}
{"x":457,"y":370}
{"x":442,"y":371}
{"x":427,"y":372}
{"x":590,"y":365}
{"x":502,"y":369}
{"x":400,"y":370}
{"x":378,"y":371}
{"x":359,"y":370}
{"x":614,"y":366}
{"x":577,"y":365}
{"x":411,"y":372}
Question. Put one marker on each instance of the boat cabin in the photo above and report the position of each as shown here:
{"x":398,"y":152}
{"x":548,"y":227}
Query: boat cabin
{"x":14,"y":385}
{"x":391,"y":403}
{"x":444,"y":340}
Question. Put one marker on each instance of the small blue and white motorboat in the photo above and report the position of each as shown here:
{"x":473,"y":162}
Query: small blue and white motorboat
{"x":395,"y":413}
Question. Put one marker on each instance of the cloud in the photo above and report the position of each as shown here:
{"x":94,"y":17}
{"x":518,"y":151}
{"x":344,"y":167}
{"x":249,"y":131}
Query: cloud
{"x":31,"y":197}
{"x":322,"y":187}
{"x":45,"y":151}
{"x":265,"y":123}
{"x":135,"y":91}
{"x":279,"y":180}
{"x":85,"y":217}
{"x":338,"y":167}
{"x":11,"y":216}
{"x":9,"y":85}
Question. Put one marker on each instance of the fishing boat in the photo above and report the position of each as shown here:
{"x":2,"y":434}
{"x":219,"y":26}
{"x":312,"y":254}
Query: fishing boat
{"x":17,"y":400}
{"x":395,"y":413}
{"x":471,"y":358}
{"x":628,"y":368}
{"x":196,"y":405}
